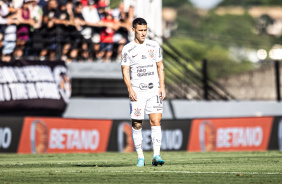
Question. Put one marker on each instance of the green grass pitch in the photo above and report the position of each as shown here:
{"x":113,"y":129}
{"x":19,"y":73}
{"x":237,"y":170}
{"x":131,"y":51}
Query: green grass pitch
{"x":179,"y":167}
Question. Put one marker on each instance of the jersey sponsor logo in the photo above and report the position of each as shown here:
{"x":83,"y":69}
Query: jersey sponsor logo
{"x":151,"y":53}
{"x":160,"y":106}
{"x":134,"y":55}
{"x":137,"y":112}
{"x":143,"y":86}
{"x":144,"y":57}
{"x":145,"y":74}
{"x":160,"y":53}
{"x":132,"y":48}
{"x":142,"y":71}
{"x":150,"y":45}
{"x":123,"y":57}
{"x":150,"y":85}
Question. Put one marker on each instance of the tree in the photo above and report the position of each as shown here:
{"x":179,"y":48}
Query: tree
{"x":250,"y":3}
{"x":173,"y":3}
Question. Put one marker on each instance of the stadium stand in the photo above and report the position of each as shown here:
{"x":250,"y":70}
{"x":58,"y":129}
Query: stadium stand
{"x":68,"y":30}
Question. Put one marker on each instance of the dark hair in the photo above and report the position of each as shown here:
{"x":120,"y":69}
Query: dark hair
{"x":139,"y":21}
{"x":77,"y":3}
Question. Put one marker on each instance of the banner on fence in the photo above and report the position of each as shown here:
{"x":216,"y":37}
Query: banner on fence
{"x":10,"y":131}
{"x":58,"y":135}
{"x":275,"y":142}
{"x":230,"y":134}
{"x":34,"y":85}
{"x":174,"y":135}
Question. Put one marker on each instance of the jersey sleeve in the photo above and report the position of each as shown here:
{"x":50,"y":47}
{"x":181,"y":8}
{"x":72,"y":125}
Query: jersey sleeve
{"x":125,"y":58}
{"x":159,"y":55}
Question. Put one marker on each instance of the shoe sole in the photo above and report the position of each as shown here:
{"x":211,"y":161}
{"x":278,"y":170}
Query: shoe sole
{"x":156,"y":163}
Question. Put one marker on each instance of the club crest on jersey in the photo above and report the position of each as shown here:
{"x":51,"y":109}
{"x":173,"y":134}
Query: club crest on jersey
{"x":151,"y":53}
{"x":137,"y":112}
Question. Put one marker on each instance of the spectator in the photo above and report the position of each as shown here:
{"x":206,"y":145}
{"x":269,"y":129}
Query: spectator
{"x":17,"y":4}
{"x":107,"y":37}
{"x":36,"y":14}
{"x":48,"y":30}
{"x":4,"y":10}
{"x":9,"y":31}
{"x":91,"y":16}
{"x":71,"y":33}
{"x":101,"y":6}
{"x":25,"y":20}
{"x":125,"y":20}
{"x":128,"y":22}
{"x":64,"y":26}
{"x":119,"y":12}
{"x":84,"y":2}
{"x":79,"y":23}
{"x":42,"y":3}
{"x":58,"y":29}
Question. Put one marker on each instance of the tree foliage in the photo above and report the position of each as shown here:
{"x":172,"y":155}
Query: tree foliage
{"x":250,"y":3}
{"x":173,"y":3}
{"x":211,"y":36}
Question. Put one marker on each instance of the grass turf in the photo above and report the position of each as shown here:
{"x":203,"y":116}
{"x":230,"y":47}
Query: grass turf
{"x":180,"y":167}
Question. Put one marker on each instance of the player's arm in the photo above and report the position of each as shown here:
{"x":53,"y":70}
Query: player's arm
{"x":161,"y":73}
{"x":126,"y":78}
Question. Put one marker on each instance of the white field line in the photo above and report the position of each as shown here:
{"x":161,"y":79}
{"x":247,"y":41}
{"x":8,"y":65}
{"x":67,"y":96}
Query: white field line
{"x":191,"y":172}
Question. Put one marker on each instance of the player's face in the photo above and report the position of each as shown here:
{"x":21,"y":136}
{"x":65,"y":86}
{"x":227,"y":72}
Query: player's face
{"x":140,"y":33}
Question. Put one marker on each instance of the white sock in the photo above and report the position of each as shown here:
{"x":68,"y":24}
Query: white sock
{"x":156,"y":134}
{"x":138,"y":142}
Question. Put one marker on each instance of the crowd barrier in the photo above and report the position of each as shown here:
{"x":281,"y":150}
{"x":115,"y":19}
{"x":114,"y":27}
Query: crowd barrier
{"x":37,"y":135}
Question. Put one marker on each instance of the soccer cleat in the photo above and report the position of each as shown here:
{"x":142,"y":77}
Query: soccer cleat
{"x":140,"y":162}
{"x":157,"y":160}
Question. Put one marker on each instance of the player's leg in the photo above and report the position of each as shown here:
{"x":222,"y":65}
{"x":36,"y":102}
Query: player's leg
{"x":154,"y":108}
{"x":138,"y":141}
{"x":156,"y":135}
{"x":156,"y":132}
{"x":137,"y":116}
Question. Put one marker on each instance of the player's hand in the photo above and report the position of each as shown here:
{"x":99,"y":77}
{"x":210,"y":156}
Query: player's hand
{"x":162,"y":93}
{"x":132,"y":96}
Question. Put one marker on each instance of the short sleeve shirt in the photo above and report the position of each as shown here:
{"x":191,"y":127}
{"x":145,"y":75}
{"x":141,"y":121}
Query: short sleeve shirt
{"x":142,"y":59}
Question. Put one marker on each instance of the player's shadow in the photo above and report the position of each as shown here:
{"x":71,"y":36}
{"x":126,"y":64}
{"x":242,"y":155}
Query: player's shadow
{"x":94,"y":165}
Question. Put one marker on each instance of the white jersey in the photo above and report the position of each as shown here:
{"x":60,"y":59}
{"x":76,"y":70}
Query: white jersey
{"x":142,"y":59}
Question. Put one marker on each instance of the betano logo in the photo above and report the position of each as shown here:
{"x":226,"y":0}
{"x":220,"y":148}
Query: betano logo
{"x":74,"y":138}
{"x":239,"y":136}
{"x":235,"y":134}
{"x":59,"y":135}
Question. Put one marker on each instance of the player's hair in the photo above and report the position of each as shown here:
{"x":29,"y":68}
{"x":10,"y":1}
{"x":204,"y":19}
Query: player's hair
{"x":138,"y":21}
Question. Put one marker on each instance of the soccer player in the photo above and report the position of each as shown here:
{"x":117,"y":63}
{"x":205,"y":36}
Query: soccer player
{"x":143,"y":74}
